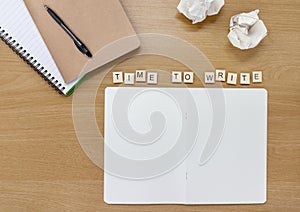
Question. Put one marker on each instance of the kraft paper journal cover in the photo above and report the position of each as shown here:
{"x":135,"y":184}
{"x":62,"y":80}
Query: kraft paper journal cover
{"x":185,"y":146}
{"x":101,"y":25}
{"x":18,"y":30}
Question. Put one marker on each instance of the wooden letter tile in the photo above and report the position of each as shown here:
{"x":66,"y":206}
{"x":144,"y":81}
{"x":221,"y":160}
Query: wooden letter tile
{"x":220,"y":75}
{"x":117,"y":77}
{"x":140,"y":76}
{"x":188,"y":77}
{"x":176,"y":77}
{"x":209,"y":77}
{"x":245,"y":79}
{"x":232,"y":78}
{"x":129,"y":79}
{"x":257,"y":77}
{"x":152,"y":78}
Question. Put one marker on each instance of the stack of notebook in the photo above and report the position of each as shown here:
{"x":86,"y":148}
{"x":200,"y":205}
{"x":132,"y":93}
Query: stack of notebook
{"x":28,"y":28}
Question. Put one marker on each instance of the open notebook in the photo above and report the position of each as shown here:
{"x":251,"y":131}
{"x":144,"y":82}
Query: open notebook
{"x":185,"y":146}
{"x":18,"y":30}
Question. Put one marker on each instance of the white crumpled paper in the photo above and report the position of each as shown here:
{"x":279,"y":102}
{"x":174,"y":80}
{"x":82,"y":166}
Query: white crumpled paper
{"x":246,"y":30}
{"x":198,"y":10}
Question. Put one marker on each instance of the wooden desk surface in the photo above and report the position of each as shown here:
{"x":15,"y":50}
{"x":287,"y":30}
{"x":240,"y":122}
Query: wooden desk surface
{"x":42,"y":166}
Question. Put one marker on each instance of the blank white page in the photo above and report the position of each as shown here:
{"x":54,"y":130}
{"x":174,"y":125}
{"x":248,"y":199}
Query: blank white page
{"x":16,"y":21}
{"x":235,"y":172}
{"x":124,"y":153}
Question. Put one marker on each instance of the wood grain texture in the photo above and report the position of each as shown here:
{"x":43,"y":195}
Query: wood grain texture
{"x":42,"y":167}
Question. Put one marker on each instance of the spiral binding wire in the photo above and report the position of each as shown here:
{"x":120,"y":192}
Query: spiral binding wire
{"x":19,"y":50}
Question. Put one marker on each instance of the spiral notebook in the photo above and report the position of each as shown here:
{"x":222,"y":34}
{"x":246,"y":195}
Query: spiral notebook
{"x":18,"y":30}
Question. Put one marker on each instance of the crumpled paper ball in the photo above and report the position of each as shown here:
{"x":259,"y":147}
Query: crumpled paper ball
{"x":198,"y":10}
{"x":247,"y":30}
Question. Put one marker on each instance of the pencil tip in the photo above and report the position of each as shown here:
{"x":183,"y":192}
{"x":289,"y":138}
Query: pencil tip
{"x":46,"y":7}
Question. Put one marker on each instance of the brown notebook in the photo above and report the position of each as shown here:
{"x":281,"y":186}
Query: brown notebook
{"x":101,"y":25}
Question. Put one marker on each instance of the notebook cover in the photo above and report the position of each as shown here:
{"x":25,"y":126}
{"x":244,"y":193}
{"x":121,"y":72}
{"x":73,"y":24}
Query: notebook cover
{"x":100,"y":24}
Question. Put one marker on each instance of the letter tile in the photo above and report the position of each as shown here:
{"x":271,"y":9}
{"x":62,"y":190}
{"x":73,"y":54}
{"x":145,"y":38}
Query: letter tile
{"x":188,"y":77}
{"x":140,"y":76}
{"x":152,"y":78}
{"x":232,"y":78}
{"x":176,"y":77}
{"x":245,"y":79}
{"x":257,"y":76}
{"x":117,"y":77}
{"x":129,"y":79}
{"x":220,"y":75}
{"x":209,"y":77}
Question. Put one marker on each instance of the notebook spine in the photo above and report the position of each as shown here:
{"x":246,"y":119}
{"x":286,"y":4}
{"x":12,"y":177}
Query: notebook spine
{"x":30,"y":60}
